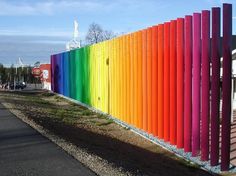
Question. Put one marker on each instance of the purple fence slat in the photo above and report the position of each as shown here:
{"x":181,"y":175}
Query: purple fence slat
{"x":226,"y":86}
{"x":188,"y":83}
{"x":52,"y":73}
{"x":205,"y":84}
{"x":196,"y":83}
{"x":215,"y":86}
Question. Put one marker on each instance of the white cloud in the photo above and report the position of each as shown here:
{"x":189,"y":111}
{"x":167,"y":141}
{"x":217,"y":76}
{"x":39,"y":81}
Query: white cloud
{"x":71,"y":8}
{"x":234,"y":17}
{"x":9,"y":8}
{"x":50,"y":7}
{"x":13,"y":9}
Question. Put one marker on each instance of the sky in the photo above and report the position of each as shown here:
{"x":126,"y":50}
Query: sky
{"x":35,"y":29}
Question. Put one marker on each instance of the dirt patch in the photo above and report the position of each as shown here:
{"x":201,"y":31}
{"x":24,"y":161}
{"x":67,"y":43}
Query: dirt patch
{"x":98,"y":135}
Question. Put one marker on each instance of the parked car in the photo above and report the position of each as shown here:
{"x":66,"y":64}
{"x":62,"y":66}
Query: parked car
{"x":18,"y":85}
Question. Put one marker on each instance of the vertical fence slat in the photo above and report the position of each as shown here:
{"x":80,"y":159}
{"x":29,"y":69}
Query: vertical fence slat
{"x":114,"y":68}
{"x":66,"y":72}
{"x":78,"y":77}
{"x":72,"y":74}
{"x":52,"y":73}
{"x":132,"y":77}
{"x":188,"y":84}
{"x":112,"y":76}
{"x":120,"y":81}
{"x":167,"y":81}
{"x":154,"y":80}
{"x":125,"y":76}
{"x":173,"y":82}
{"x":55,"y":72}
{"x":128,"y":80}
{"x":160,"y":79}
{"x":205,"y":84}
{"x":196,"y":83}
{"x":61,"y":75}
{"x":135,"y":64}
{"x":58,"y":72}
{"x":140,"y":93}
{"x":119,"y":78}
{"x":180,"y":83}
{"x":226,"y":86}
{"x":149,"y":78}
{"x":144,"y":78}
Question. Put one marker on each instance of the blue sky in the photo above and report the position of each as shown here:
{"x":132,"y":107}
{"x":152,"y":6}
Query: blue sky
{"x":54,"y":19}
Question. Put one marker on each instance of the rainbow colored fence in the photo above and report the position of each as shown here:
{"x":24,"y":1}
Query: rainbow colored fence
{"x":164,"y":80}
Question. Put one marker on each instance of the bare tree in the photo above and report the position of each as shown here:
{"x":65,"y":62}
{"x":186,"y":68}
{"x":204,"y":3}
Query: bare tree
{"x":97,"y":34}
{"x":107,"y":35}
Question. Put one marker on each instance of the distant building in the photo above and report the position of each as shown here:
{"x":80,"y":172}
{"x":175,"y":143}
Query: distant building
{"x":45,"y":76}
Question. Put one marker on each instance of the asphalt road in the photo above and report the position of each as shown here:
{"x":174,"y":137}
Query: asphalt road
{"x":25,"y":152}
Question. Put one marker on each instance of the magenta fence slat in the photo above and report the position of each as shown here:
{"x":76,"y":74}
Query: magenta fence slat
{"x":215,"y":86}
{"x":180,"y":82}
{"x":188,"y":83}
{"x":196,"y":83}
{"x":173,"y":82}
{"x":205,"y":84}
{"x":52,"y":72}
{"x":226,"y":86}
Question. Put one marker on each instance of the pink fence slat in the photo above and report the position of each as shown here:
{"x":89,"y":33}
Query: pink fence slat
{"x":173,"y":82}
{"x":226,"y":86}
{"x":196,"y":83}
{"x":215,"y":86}
{"x":188,"y":83}
{"x":205,"y":84}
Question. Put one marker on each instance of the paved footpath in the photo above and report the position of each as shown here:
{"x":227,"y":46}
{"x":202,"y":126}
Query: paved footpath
{"x":25,"y":152}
